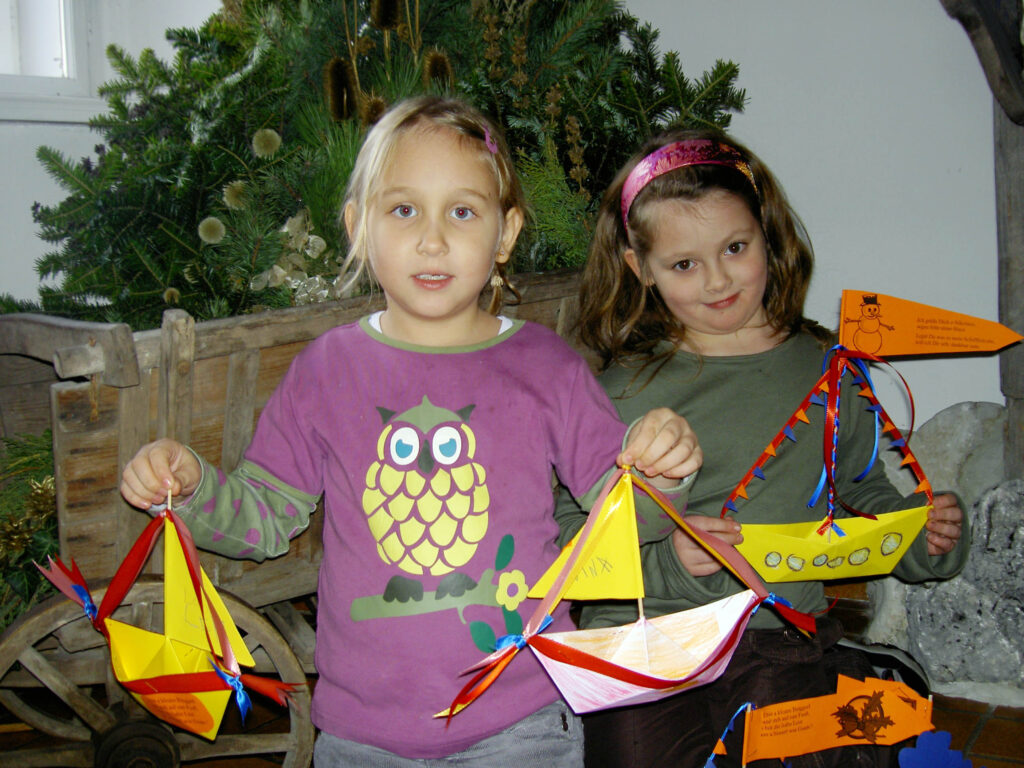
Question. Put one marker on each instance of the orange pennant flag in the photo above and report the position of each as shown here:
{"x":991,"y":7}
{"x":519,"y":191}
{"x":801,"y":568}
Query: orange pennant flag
{"x":888,"y":327}
{"x":871,"y":711}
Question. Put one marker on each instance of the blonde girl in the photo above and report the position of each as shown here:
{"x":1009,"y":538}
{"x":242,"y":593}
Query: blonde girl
{"x":693,"y":295}
{"x":430,"y":430}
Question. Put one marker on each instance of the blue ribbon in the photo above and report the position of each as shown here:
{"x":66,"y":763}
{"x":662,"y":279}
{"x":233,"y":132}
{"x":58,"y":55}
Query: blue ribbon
{"x":818,"y":489}
{"x":861,"y":367}
{"x":519,"y":641}
{"x":241,"y":697}
{"x":771,"y":599}
{"x":710,"y":762}
{"x":87,"y":603}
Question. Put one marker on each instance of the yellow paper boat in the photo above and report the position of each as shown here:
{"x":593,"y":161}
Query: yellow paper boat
{"x":799,"y":552}
{"x":187,"y":674}
{"x":873,"y":324}
{"x":185,"y":648}
{"x":138,"y":656}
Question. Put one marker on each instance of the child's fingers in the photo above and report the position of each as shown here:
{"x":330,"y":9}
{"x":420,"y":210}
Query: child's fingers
{"x":662,"y":443}
{"x":945,"y":507}
{"x":945,"y":524}
{"x":139,"y":486}
{"x":939,"y":544}
{"x":724,"y":528}
{"x":150,"y":475}
{"x":692,"y":556}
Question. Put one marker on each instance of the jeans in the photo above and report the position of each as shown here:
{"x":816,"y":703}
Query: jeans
{"x":551,"y":736}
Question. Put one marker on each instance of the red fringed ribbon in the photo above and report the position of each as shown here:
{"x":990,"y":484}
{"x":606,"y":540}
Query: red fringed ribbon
{"x":829,"y":386}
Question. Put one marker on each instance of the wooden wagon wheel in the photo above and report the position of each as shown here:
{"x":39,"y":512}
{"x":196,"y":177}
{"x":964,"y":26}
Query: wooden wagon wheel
{"x":55,"y":675}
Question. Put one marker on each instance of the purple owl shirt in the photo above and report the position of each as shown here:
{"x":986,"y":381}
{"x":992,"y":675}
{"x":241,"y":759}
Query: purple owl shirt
{"x":436,"y":469}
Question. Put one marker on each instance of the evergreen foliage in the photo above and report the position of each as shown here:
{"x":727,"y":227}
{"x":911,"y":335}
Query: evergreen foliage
{"x":218,"y":182}
{"x":28,"y":523}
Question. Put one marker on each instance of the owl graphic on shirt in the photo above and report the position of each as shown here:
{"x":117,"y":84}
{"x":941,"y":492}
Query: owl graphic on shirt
{"x":426,"y":500}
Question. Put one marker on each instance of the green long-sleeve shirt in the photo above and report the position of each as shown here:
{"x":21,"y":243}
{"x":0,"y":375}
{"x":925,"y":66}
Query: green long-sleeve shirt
{"x":736,"y":405}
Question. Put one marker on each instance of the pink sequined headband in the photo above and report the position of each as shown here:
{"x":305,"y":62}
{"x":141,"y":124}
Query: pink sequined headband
{"x":678,"y":155}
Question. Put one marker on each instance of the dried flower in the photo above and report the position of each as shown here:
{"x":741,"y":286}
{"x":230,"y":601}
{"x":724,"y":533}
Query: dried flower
{"x":297,"y":228}
{"x":315,"y":246}
{"x":553,"y":96}
{"x":364,"y":45}
{"x":265,"y":142}
{"x":574,"y":138}
{"x":211,"y":230}
{"x":234,"y":194}
{"x":340,"y":89}
{"x":437,"y":69}
{"x":385,"y":14}
{"x":172,"y":296}
{"x":372,"y":110}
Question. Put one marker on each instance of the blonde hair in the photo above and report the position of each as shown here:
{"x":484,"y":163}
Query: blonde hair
{"x":426,"y":113}
{"x":621,"y":318}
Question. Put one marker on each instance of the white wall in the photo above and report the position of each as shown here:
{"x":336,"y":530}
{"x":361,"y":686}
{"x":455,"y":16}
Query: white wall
{"x":875,"y":115}
{"x":131,"y":24}
{"x":877,"y":119}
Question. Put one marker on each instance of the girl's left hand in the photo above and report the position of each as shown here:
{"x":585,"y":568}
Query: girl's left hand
{"x":662,"y":443}
{"x":944,"y":525}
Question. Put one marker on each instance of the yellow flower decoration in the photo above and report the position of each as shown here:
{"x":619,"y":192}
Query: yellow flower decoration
{"x":511,"y":589}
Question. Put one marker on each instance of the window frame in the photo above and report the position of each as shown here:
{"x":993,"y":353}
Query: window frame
{"x":73,"y":99}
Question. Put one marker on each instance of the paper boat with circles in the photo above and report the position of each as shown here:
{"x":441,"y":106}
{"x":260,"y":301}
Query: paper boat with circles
{"x":643,"y":661}
{"x":865,"y":545}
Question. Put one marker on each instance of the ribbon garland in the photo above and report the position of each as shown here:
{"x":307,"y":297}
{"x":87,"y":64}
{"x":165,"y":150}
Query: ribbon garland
{"x":826,"y":392}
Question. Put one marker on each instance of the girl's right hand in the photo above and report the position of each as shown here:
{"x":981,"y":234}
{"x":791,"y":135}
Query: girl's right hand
{"x":693,"y":557}
{"x":159,"y":467}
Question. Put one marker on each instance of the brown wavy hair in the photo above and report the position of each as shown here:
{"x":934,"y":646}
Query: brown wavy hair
{"x":622,"y":319}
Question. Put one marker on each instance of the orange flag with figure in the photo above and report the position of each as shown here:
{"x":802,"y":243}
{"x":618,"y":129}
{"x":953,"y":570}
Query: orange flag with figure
{"x":860,"y":712}
{"x":890,"y":327}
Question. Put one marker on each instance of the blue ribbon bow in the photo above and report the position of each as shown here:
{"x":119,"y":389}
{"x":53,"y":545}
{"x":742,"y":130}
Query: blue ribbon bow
{"x":241,"y":697}
{"x":519,"y":641}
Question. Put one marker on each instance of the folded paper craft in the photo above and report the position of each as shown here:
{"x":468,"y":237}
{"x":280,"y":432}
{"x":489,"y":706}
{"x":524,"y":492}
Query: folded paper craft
{"x":644,"y":661}
{"x":187,"y":674}
{"x":862,"y":545}
{"x":799,"y":552}
{"x":860,"y":712}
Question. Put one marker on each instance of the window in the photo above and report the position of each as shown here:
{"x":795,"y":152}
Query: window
{"x":45,"y":72}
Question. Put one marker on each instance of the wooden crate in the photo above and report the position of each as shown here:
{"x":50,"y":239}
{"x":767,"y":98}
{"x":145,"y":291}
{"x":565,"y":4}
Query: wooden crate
{"x":107,"y":391}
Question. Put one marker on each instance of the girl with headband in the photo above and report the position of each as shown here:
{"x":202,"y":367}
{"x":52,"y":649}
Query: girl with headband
{"x":693,"y":296}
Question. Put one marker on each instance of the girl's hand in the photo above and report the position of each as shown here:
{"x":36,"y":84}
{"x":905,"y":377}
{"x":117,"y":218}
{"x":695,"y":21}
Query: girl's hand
{"x":159,"y":467}
{"x":945,"y":522}
{"x":662,"y":444}
{"x":693,"y":557}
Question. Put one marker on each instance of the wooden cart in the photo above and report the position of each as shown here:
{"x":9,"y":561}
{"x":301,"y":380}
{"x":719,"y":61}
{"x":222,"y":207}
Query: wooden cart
{"x":105,"y":392}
